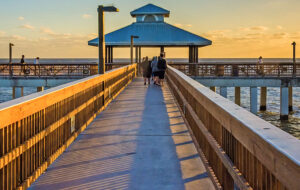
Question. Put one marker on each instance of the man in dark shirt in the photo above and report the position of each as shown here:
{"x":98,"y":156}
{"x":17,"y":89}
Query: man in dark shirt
{"x":22,"y":62}
{"x":23,"y":59}
{"x":162,"y":66}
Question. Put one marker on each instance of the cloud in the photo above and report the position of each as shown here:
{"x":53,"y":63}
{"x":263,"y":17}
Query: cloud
{"x":182,"y":25}
{"x":47,"y":31}
{"x":279,"y":27}
{"x":17,"y":37}
{"x":21,"y":18}
{"x":86,"y":16}
{"x":254,"y":28}
{"x":178,"y":24}
{"x":2,"y":33}
{"x":27,"y":26}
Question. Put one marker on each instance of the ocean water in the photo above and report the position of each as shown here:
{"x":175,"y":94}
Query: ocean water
{"x":291,"y":126}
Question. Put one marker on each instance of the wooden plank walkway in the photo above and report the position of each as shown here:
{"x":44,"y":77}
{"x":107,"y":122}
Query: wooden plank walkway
{"x":139,"y":142}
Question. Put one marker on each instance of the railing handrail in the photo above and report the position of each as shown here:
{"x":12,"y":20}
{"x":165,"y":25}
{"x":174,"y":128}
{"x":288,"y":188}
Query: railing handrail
{"x":259,"y":137}
{"x":19,"y":102}
{"x":62,"y":64}
{"x":231,"y":63}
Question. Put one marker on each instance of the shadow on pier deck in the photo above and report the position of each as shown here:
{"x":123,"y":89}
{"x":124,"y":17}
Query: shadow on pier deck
{"x":139,"y":142}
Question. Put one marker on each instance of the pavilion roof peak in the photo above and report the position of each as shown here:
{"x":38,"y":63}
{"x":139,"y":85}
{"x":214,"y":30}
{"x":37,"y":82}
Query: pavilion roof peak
{"x":150,"y":9}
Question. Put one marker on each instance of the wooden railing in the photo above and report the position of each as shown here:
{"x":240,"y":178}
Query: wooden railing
{"x":36,"y":129}
{"x":240,"y":149}
{"x":54,"y":69}
{"x":244,"y":69}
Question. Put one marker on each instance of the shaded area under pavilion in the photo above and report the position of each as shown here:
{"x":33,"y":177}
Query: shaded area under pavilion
{"x":154,"y":32}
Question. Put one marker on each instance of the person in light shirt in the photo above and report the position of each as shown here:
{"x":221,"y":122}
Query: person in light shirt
{"x":260,"y":66}
{"x":36,"y":61}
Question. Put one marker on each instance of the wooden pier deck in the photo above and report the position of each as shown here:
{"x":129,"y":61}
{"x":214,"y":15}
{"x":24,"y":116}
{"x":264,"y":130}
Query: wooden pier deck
{"x":139,"y":142}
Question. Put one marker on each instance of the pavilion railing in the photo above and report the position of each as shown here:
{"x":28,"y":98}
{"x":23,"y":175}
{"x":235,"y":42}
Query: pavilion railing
{"x":244,"y":69}
{"x":36,"y":129}
{"x":54,"y":69}
{"x":240,"y":149}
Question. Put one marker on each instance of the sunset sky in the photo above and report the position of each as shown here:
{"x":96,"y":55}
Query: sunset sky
{"x":238,"y":28}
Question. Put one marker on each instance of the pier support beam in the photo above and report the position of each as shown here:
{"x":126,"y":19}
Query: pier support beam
{"x":140,"y":54}
{"x":263,"y":99}
{"x":223,"y":91}
{"x":213,"y":88}
{"x":284,"y":103}
{"x":40,"y":89}
{"x":253,"y":100}
{"x":136,"y":54}
{"x":162,"y":49}
{"x":237,"y":95}
{"x":290,"y":99}
{"x":17,"y":92}
{"x":111,"y":54}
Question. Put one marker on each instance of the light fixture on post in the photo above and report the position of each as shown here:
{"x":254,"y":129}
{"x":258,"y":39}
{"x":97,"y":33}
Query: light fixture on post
{"x":10,"y":58}
{"x":101,"y":38}
{"x":131,"y":47}
{"x":294,"y":58}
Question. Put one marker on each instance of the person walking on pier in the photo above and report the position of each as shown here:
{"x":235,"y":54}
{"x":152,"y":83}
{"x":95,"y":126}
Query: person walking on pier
{"x":36,"y":61}
{"x":146,"y":70}
{"x":260,"y":65}
{"x":155,"y":70}
{"x":162,"y":66}
{"x":23,"y":63}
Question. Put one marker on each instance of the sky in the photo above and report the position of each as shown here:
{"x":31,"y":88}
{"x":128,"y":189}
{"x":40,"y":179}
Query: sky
{"x":238,"y":28}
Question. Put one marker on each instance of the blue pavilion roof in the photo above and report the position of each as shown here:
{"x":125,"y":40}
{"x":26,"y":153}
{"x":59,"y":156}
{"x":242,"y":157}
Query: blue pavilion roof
{"x":150,"y":9}
{"x":152,"y":34}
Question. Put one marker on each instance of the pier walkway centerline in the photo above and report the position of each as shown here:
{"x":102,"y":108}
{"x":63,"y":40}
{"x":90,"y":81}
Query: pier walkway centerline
{"x":139,"y":142}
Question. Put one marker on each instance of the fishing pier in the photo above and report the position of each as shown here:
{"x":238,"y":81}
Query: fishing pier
{"x":109,"y":131}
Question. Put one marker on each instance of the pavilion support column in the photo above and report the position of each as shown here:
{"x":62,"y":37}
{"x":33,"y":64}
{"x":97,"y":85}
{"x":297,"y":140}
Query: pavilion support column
{"x":190,"y":54}
{"x":194,"y":54}
{"x":136,"y":54}
{"x":197,"y":54}
{"x":140,"y":54}
{"x":17,"y":92}
{"x":162,"y":49}
{"x":290,"y":99}
{"x":263,"y":99}
{"x":111,"y":54}
{"x":284,"y":103}
{"x":223,"y":91}
{"x":106,"y":53}
{"x":237,"y":95}
{"x":253,"y":100}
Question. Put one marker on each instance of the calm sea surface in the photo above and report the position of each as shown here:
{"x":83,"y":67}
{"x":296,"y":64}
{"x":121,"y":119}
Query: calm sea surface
{"x":291,"y":126}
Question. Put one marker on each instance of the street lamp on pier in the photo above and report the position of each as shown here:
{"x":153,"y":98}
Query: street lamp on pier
{"x":294,"y":57}
{"x":101,"y":38}
{"x":131,"y":47}
{"x":10,"y":58}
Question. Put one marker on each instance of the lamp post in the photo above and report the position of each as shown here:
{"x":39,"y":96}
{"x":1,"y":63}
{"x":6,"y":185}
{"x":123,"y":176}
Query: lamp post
{"x":294,"y":57}
{"x":10,"y":58}
{"x":101,"y":43}
{"x":131,"y":47}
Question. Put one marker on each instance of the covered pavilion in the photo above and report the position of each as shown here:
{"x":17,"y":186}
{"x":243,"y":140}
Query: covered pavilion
{"x":153,"y":31}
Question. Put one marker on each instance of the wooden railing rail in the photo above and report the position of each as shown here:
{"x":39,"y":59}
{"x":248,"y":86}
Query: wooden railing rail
{"x":240,"y":148}
{"x":243,"y":69}
{"x":36,"y":129}
{"x":54,"y":69}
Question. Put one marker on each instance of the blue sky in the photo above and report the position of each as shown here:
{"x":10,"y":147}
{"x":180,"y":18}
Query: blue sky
{"x":238,"y":28}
